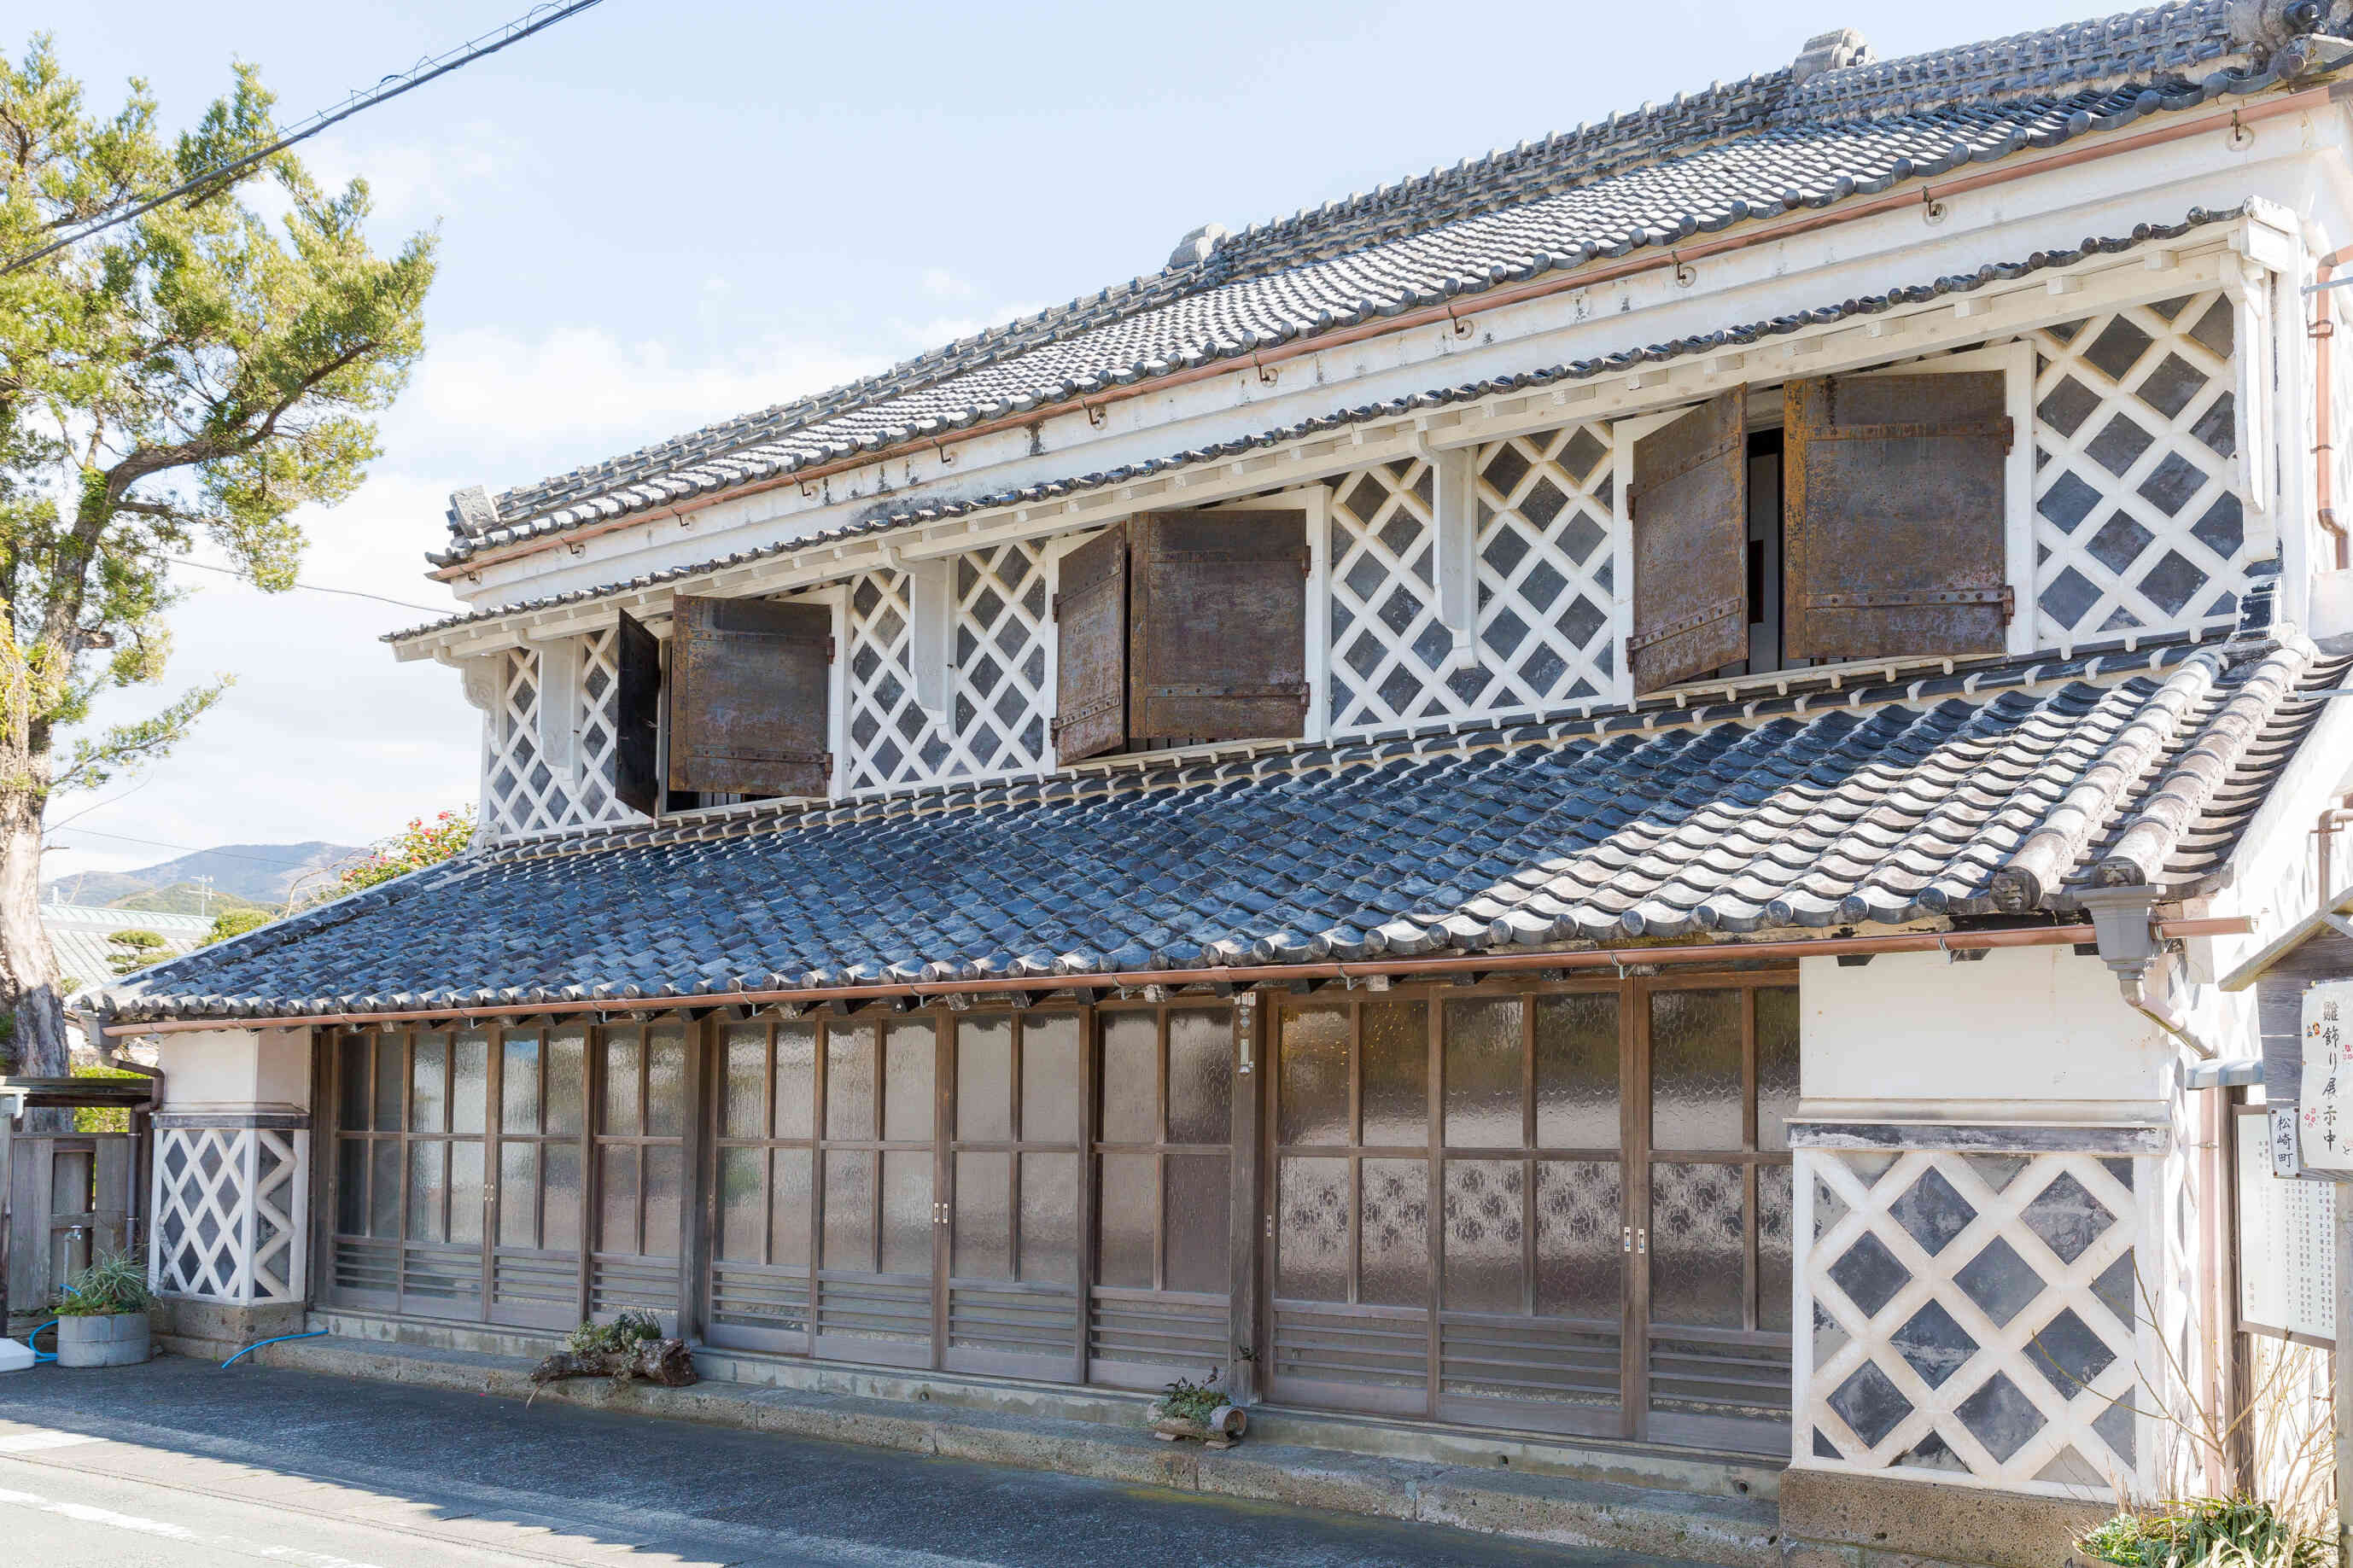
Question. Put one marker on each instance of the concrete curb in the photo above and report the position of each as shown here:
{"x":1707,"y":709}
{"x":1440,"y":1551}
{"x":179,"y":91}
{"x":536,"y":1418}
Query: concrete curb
{"x":1736,"y":1532}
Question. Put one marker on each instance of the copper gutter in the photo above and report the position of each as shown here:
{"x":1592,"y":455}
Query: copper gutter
{"x":2324,"y":422}
{"x":1619,"y":958}
{"x":1683,"y":253}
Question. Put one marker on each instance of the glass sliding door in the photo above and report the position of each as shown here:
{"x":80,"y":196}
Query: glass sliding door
{"x":640,"y":1077}
{"x":409,"y":1176}
{"x":765,"y":1185}
{"x":535,"y":1258}
{"x":1158,"y":1302}
{"x":877,"y":1159}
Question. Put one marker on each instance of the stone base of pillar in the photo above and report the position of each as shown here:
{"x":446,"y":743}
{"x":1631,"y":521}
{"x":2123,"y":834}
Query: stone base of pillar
{"x":1831,"y":1519}
{"x":185,"y":1326}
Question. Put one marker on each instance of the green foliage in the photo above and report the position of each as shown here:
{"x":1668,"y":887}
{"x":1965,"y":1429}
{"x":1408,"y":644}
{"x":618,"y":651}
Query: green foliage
{"x":1189,"y":1401}
{"x":101,"y":1118}
{"x":134,"y":949}
{"x":420,"y":844}
{"x":182,"y":898}
{"x":2209,"y":1532}
{"x":113,"y":1284}
{"x":619,"y":1337}
{"x":237,"y":922}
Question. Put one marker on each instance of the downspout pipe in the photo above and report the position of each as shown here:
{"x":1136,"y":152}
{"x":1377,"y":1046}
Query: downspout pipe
{"x":2324,"y":423}
{"x":2125,"y":927}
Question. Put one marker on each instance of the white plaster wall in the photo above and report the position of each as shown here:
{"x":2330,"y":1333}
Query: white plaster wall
{"x":219,"y":1070}
{"x":2024,"y":1034}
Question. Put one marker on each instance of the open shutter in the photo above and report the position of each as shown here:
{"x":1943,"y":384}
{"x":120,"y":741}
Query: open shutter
{"x":636,"y":717}
{"x":1218,"y":628}
{"x":1689,"y":504}
{"x":1894,"y":534}
{"x":748,"y":705}
{"x":1091,"y":647}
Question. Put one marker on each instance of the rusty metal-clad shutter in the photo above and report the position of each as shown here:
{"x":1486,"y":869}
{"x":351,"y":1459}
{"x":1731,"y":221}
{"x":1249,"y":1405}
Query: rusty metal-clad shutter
{"x":1218,"y":628}
{"x":748,"y":705}
{"x":1688,"y":503}
{"x":636,"y":717}
{"x":1091,"y":647}
{"x":1893,"y":496}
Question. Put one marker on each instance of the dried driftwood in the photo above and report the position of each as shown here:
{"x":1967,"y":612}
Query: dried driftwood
{"x":662,"y":1361}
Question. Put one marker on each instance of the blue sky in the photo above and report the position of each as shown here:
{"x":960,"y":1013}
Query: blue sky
{"x":655,"y":216}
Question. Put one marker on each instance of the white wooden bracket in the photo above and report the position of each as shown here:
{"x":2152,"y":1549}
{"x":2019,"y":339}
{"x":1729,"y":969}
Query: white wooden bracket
{"x":931,"y":611}
{"x":1454,"y":502}
{"x":559,"y":706}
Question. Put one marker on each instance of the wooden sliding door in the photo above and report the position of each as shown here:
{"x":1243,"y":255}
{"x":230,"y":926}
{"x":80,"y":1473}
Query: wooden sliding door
{"x":879,"y":1211}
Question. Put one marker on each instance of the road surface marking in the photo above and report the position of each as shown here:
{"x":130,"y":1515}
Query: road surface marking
{"x":32,"y":1442}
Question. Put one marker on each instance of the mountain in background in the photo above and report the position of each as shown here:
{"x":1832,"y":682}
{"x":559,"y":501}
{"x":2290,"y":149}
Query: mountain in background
{"x":187,"y":898}
{"x":241,"y":873}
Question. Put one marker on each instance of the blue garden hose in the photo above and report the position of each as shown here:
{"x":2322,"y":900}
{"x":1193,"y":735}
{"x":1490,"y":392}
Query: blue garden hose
{"x":40,"y":1354}
{"x":257,"y":1344}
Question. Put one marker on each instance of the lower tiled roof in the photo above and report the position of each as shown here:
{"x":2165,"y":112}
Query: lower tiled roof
{"x":2001,"y":789}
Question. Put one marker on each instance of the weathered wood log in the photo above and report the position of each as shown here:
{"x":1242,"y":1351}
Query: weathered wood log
{"x":1223,"y":1429}
{"x":662,"y":1361}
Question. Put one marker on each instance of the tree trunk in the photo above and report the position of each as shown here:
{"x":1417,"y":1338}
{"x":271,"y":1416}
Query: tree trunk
{"x":29,"y":968}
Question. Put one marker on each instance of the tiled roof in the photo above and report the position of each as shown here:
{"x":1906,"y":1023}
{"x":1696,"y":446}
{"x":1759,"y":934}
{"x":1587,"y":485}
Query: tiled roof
{"x":1706,"y":161}
{"x":2001,"y":789}
{"x":1617,"y":362}
{"x":77,"y":934}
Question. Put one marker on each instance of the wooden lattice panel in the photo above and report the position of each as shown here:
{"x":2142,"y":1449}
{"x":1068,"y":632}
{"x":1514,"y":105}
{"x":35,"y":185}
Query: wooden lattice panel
{"x":229,"y":1206}
{"x":1543,"y":564}
{"x":594,"y":722}
{"x":521,"y":793}
{"x":1973,"y":1315}
{"x":2139,"y":524}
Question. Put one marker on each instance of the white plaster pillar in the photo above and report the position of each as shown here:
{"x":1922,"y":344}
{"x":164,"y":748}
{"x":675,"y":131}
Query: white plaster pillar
{"x":228,"y":1219}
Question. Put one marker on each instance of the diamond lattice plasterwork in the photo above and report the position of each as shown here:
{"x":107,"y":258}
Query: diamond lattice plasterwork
{"x":521,"y":793}
{"x":596,"y":724}
{"x":229,"y":1214}
{"x":1544,"y":569}
{"x":1973,"y":1315}
{"x":889,"y":735}
{"x":2139,"y":524}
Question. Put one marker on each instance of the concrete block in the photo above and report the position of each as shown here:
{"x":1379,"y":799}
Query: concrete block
{"x":846,"y":1421}
{"x":1602,"y":1519}
{"x":1796,"y":1553}
{"x":1064,"y":1446}
{"x":1305,"y":1477}
{"x":1940,"y":1521}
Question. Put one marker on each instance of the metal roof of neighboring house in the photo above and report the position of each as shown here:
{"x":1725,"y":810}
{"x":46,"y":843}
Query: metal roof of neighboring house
{"x":77,"y":934}
{"x":2004,"y":787}
{"x":1810,"y":135}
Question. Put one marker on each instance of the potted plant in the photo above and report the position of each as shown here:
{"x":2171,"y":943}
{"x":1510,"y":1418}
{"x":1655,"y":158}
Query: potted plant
{"x":1188,"y":1409}
{"x":102,"y":1314}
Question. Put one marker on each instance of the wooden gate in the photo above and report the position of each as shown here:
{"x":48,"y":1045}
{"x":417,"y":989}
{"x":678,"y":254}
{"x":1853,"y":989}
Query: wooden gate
{"x":69,"y":1200}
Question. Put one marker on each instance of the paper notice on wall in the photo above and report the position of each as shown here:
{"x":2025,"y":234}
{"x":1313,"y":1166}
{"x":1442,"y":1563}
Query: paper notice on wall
{"x":2287,"y":1245}
{"x":2324,"y":1109}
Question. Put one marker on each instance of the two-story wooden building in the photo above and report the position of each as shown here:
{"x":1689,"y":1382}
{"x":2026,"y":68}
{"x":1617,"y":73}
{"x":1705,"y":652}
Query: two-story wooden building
{"x":1595,"y":795}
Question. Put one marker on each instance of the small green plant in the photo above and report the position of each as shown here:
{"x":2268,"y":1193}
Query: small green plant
{"x":1189,"y":1401}
{"x":2207,"y":1533}
{"x":2120,"y":1540}
{"x":113,"y":1284}
{"x":619,"y":1337}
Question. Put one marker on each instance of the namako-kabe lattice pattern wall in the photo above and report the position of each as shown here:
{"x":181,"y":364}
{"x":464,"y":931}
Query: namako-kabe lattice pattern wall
{"x":1974,"y":1316}
{"x":231,"y":1207}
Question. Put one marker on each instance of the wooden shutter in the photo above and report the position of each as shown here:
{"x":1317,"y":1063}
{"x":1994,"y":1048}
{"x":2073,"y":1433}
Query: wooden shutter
{"x":1091,"y":647}
{"x":1895,"y":540}
{"x":747,"y":704}
{"x":1689,"y":504}
{"x":1218,"y":625}
{"x":636,"y":717}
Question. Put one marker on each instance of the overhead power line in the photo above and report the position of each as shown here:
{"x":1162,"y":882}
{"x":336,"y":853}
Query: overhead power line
{"x":538,"y":19}
{"x":162,"y":843}
{"x":307,"y":587}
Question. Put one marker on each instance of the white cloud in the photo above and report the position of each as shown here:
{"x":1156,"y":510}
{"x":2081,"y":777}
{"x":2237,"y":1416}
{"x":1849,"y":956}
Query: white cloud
{"x":942,"y":284}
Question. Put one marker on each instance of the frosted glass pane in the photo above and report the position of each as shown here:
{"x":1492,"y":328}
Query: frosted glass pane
{"x":385,"y":1179}
{"x":1131,"y":1078}
{"x":1580,"y":1239}
{"x":518,"y":1084}
{"x":1695,"y":1069}
{"x":1313,"y":1087}
{"x":907,"y":1209}
{"x":850,"y":1098}
{"x":391,"y":1078}
{"x":664,"y":1188}
{"x":466,"y":1193}
{"x":1775,"y":1282}
{"x":568,"y":1080}
{"x":429,"y":1084}
{"x":665,"y":1081}
{"x":850,"y":1209}
{"x":1200,"y":1075}
{"x":1393,"y":1234}
{"x":351,"y":1185}
{"x":744,"y":1087}
{"x":984,"y":1112}
{"x":560,"y":1204}
{"x":743,"y":1203}
{"x":1124,"y":1220}
{"x":1777,"y":1065}
{"x":1049,"y":1217}
{"x":984,"y":1216}
{"x":788,"y":1223}
{"x":1196,"y":1205}
{"x":1312,"y":1230}
{"x":1696,"y":1277}
{"x":1484,"y":1067}
{"x":518,"y":1195}
{"x":1395,"y":1060}
{"x":425,"y":1190}
{"x":1050,"y":1079}
{"x":620,"y":1113}
{"x":907,"y":1084}
{"x":1576,"y":1071}
{"x":795,"y":1093}
{"x":616,"y":1168}
{"x":469,"y":1082}
{"x":351,"y":1077}
{"x":1486,"y":1225}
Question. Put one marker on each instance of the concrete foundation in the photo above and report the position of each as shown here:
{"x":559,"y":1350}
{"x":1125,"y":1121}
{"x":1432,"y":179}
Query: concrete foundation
{"x":185,"y":1326}
{"x":1831,"y":1519}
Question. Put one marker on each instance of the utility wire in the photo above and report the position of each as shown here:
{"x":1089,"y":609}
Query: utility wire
{"x":161,"y":844}
{"x":537,"y":19}
{"x":310,"y":587}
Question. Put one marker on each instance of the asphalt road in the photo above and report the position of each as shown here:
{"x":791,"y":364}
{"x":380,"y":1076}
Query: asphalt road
{"x":177,"y":1464}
